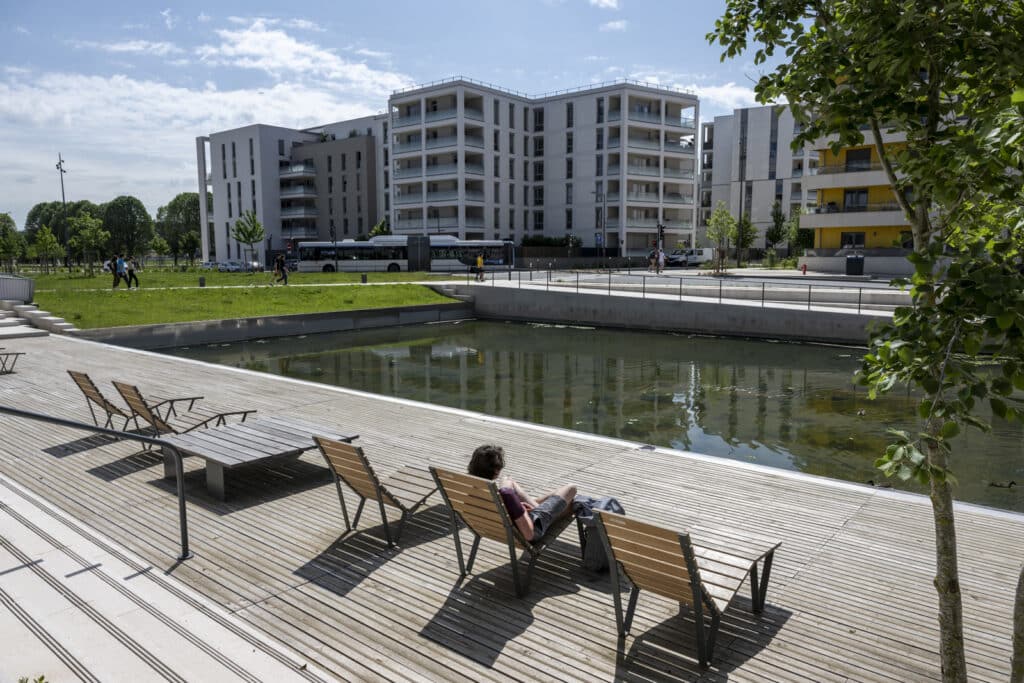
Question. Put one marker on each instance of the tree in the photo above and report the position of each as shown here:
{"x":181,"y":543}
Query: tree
{"x":129,"y":224}
{"x":777,"y":232}
{"x":46,"y":247}
{"x":744,"y":236}
{"x":12,"y":242}
{"x":248,"y":230}
{"x":89,"y":238}
{"x":190,"y":244}
{"x":160,"y":247}
{"x":943,"y":75}
{"x":53,"y":214}
{"x":380,"y":229}
{"x":175,"y":220}
{"x":721,"y":227}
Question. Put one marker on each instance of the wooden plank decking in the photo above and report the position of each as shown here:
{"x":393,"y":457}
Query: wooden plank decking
{"x":850,"y":596}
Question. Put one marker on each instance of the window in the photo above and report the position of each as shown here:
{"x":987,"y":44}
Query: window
{"x":511,"y":114}
{"x":330,"y":166}
{"x":252,"y":161}
{"x":568,"y":168}
{"x":238,"y":191}
{"x":359,"y":222}
{"x":280,"y":148}
{"x":344,"y":225}
{"x":495,"y":141}
{"x":538,"y":170}
{"x":538,"y":220}
{"x":855,"y":200}
{"x":497,"y":195}
{"x":511,"y":169}
{"x":512,"y":194}
{"x":359,"y":203}
{"x":852,"y":240}
{"x":568,"y":143}
{"x":538,"y":146}
{"x":234,"y":162}
{"x":497,"y":217}
{"x":568,"y":193}
{"x":858,"y":159}
{"x":568,"y":114}
{"x":229,"y":200}
{"x":344,"y":184}
{"x":497,"y":166}
{"x":344,"y":204}
{"x":511,"y":143}
{"x":538,"y":195}
{"x":526,"y":197}
{"x":385,"y":157}
{"x":526,"y":118}
{"x":223,"y":162}
{"x":599,"y":165}
{"x":359,"y":182}
{"x":330,"y":184}
{"x":227,"y":231}
{"x":600,"y":110}
{"x":538,"y":120}
{"x":252,"y":187}
{"x":600,"y":138}
{"x":568,"y":219}
{"x":343,"y":160}
{"x":359,"y":159}
{"x":330,"y":207}
{"x":497,"y":117}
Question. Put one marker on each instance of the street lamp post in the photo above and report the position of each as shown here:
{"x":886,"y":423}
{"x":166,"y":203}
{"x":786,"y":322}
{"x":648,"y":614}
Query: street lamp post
{"x":603,"y":221}
{"x":64,"y":209}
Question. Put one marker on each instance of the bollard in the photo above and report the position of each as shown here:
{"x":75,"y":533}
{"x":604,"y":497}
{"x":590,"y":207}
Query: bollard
{"x":362,"y":278}
{"x":202,"y":280}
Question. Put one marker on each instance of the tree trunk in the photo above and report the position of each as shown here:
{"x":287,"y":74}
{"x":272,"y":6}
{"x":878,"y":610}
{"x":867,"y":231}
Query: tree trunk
{"x":947,"y":573}
{"x":1017,"y":671}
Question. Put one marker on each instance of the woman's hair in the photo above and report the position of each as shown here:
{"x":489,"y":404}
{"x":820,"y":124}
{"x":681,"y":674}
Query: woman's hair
{"x":487,"y":461}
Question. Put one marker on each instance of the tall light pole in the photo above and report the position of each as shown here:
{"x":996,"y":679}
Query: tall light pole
{"x":64,"y":209}
{"x":603,"y":222}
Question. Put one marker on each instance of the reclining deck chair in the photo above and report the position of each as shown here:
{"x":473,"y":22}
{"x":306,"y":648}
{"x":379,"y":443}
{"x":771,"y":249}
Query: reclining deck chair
{"x":7,"y":360}
{"x":94,"y":396}
{"x":407,"y":489}
{"x":665,"y":562}
{"x":475,"y":502}
{"x":168,"y":423}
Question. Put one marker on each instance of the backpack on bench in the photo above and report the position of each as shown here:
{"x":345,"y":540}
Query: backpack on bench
{"x":594,"y":556}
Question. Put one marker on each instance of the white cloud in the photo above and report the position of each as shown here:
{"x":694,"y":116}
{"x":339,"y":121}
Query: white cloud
{"x":23,"y":30}
{"x":375,"y":54}
{"x":169,"y":19}
{"x":203,"y":17}
{"x":303,"y":24}
{"x":261,"y":48}
{"x":619,"y":25}
{"x":142,"y":47}
{"x":723,"y":98}
{"x":605,"y":4}
{"x":16,"y":70}
{"x":121,"y":134}
{"x":594,"y":58}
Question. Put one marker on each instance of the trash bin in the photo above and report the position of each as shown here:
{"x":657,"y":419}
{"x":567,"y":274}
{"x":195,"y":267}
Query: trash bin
{"x":362,"y":278}
{"x":855,"y":264}
{"x":202,"y":280}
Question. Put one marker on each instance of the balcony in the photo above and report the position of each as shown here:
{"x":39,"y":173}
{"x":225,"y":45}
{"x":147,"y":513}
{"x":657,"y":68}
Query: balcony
{"x":474,"y":221}
{"x":641,"y":222}
{"x":612,"y":224}
{"x":409,"y":224}
{"x":615,"y":115}
{"x":475,"y":169}
{"x":683,"y":173}
{"x":475,"y":141}
{"x":441,"y":114}
{"x":612,"y":197}
{"x":475,"y":114}
{"x":443,"y":196}
{"x":682,"y":122}
{"x":411,"y":146}
{"x":408,"y":172}
{"x":642,"y":197}
{"x":647,"y":116}
{"x":301,"y":191}
{"x":642,"y":143}
{"x":613,"y":143}
{"x":298,"y":171}
{"x":679,"y":147}
{"x":442,"y":169}
{"x":796,"y":195}
{"x":299,"y":233}
{"x":410,"y":198}
{"x":636,"y":169}
{"x":679,"y":225}
{"x":442,"y":141}
{"x":849,"y":167}
{"x":299,"y":212}
{"x":676,"y":198}
{"x":613,"y":169}
{"x":410,"y":120}
{"x":854,"y":216}
{"x":474,"y":195}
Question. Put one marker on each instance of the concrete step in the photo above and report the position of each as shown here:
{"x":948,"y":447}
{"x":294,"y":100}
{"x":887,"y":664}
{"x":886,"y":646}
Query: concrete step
{"x":20,"y":331}
{"x":63,"y":328}
{"x":11,"y":322}
{"x":47,"y":322}
{"x":35,"y":315}
{"x":9,"y":304}
{"x":22,"y":309}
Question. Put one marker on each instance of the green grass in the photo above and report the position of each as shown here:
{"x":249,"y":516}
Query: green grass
{"x":92,"y":308}
{"x":63,"y":282}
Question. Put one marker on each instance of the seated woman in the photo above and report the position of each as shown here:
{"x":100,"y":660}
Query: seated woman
{"x":532,"y":516}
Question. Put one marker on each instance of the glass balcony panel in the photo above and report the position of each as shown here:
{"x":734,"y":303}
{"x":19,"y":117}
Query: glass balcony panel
{"x":442,"y":169}
{"x":475,"y":114}
{"x":411,"y":198}
{"x":474,"y":141}
{"x":441,"y":114}
{"x":643,"y":143}
{"x":300,"y":212}
{"x":615,"y":115}
{"x":442,"y":141}
{"x":636,"y":169}
{"x":649,"y":116}
{"x":411,"y":120}
{"x":411,"y":172}
{"x":443,"y":196}
{"x":411,"y":146}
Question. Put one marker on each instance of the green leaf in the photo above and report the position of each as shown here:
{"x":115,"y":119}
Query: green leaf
{"x":905,"y":473}
{"x":1005,"y":320}
{"x":1018,"y":96}
{"x":998,"y":407}
{"x":949,"y":430}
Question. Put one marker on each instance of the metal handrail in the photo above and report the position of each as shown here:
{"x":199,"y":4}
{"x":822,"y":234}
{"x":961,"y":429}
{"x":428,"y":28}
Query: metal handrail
{"x":179,"y":468}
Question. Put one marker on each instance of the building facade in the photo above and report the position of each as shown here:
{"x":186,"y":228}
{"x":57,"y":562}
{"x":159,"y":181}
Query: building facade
{"x":747,"y":161}
{"x":606,"y":165}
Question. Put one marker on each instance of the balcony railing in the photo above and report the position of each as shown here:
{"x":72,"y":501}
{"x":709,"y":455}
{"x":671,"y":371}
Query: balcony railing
{"x":683,"y":122}
{"x":613,"y":143}
{"x":679,"y":147}
{"x":303,"y":191}
{"x":408,"y":172}
{"x":442,"y":141}
{"x":615,"y":115}
{"x":684,"y":173}
{"x":411,"y":146}
{"x":300,"y":212}
{"x":474,"y":141}
{"x":636,"y":169}
{"x":641,"y":222}
{"x":409,"y":223}
{"x":441,"y":114}
{"x":611,"y":196}
{"x":854,"y":167}
{"x":796,"y":195}
{"x":642,"y":197}
{"x":833,"y":207}
{"x":613,"y":169}
{"x":474,"y":221}
{"x":649,"y":116}
{"x":300,"y":233}
{"x":475,"y":195}
{"x":442,"y":169}
{"x":476,"y":169}
{"x":410,"y":120}
{"x":475,"y":114}
{"x":644,"y":143}
{"x":411,"y":198}
{"x":678,"y":224}
{"x":443,"y":196}
{"x":676,"y":198}
{"x":298,"y":170}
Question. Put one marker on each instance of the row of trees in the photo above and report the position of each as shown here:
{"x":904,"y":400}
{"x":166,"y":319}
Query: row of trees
{"x":725,"y":231}
{"x":87,"y":232}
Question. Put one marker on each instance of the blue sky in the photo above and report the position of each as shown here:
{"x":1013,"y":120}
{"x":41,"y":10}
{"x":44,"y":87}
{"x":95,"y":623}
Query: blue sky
{"x":123,"y":89}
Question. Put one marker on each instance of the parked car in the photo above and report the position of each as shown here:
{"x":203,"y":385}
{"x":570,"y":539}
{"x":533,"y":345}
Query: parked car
{"x":230,"y":266}
{"x":208,"y":265}
{"x":677,"y":259}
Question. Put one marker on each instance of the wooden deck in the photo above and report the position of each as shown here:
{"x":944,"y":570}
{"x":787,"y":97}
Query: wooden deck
{"x":850,"y":597}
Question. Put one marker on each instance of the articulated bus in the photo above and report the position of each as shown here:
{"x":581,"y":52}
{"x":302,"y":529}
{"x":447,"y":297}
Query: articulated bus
{"x":390,"y":253}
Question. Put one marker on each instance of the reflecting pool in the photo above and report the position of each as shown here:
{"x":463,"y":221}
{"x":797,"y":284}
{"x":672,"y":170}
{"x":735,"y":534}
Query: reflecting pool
{"x":784,"y":405}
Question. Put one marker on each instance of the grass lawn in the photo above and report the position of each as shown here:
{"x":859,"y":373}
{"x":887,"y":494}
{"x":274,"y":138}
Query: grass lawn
{"x":90,"y":308}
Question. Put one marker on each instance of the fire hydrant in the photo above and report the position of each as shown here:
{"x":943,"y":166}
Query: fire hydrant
{"x":803,"y":269}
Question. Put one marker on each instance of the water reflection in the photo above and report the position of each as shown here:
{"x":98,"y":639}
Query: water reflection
{"x":785,"y":405}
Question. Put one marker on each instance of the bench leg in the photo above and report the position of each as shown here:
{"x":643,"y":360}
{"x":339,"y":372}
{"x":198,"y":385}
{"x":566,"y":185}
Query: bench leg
{"x":759,"y":589}
{"x":627,"y":621}
{"x":341,"y":499}
{"x":359,"y":511}
{"x":384,"y":521}
{"x":706,"y":634}
{"x":169,"y":469}
{"x":215,"y":479}
{"x":472,"y":555}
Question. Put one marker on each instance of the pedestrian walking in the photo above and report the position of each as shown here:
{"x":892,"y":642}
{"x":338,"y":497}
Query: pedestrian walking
{"x":281,"y":269}
{"x":116,"y":270}
{"x":661,"y":260}
{"x":131,"y":267}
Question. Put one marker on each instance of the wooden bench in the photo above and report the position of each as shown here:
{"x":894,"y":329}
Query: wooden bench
{"x":666,"y":563}
{"x":406,"y":490}
{"x":170,"y":422}
{"x":476,"y":503}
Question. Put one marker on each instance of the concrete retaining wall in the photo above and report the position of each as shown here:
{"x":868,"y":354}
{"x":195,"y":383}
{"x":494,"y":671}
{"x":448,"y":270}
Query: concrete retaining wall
{"x":887,"y":266}
{"x":226,"y":331}
{"x":17,"y":288}
{"x":502,"y":303}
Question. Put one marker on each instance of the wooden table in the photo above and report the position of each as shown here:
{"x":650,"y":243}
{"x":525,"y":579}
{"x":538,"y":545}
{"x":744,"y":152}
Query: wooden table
{"x":239,"y":444}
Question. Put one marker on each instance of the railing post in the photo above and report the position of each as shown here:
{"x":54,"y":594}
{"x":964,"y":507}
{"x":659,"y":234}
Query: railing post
{"x":808,"y":297}
{"x":719,"y":290}
{"x":643,"y":287}
{"x":860,"y":293}
{"x":577,"y":282}
{"x":762,"y":295}
{"x":680,"y":289}
{"x":547,"y":282}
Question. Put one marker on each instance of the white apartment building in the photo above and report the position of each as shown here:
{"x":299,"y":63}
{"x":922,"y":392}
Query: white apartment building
{"x":747,"y":161}
{"x":606,"y":163}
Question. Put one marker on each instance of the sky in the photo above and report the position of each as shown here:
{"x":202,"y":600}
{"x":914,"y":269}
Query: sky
{"x":121,"y":90}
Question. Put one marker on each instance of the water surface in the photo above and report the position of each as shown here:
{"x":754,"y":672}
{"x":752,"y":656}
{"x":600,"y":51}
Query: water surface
{"x":785,"y":405}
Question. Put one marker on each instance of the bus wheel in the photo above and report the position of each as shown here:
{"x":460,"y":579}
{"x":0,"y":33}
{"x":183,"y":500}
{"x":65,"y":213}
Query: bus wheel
{"x":393,"y":268}
{"x":328,"y":268}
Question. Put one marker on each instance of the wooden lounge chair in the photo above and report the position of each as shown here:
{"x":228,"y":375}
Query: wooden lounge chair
{"x":168,"y":423}
{"x":7,"y":361}
{"x":475,"y":502}
{"x":665,"y":562}
{"x":94,"y":397}
{"x":407,"y":489}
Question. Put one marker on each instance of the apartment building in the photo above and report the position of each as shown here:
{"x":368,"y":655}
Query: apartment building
{"x":747,"y":162}
{"x":606,"y":164}
{"x":302,"y":184}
